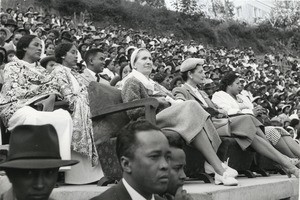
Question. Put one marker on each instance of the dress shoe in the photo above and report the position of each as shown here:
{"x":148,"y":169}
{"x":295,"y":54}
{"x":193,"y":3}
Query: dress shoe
{"x":230,"y":171}
{"x":225,"y":180}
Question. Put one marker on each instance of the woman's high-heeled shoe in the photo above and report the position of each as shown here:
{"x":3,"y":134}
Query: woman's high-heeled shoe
{"x":293,"y":161}
{"x":289,"y":171}
{"x":225,"y":180}
{"x":295,"y":171}
{"x":230,"y":171}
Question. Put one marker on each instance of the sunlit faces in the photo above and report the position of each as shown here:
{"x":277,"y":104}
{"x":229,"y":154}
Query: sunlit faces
{"x":236,"y":87}
{"x":50,"y":50}
{"x":16,"y":38}
{"x":70,"y":59}
{"x":50,"y":66}
{"x":198,"y":75}
{"x":126,"y":71}
{"x":149,"y":167}
{"x":143,"y":62}
{"x":32,"y":184}
{"x":10,"y":56}
{"x":34,"y":50}
{"x":98,"y":62}
{"x":2,"y":35}
{"x":176,"y":172}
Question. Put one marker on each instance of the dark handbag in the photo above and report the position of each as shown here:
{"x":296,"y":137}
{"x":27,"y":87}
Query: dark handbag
{"x":222,"y":125}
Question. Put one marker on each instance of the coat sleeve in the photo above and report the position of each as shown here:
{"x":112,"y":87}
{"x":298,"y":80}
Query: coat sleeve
{"x":180,"y":93}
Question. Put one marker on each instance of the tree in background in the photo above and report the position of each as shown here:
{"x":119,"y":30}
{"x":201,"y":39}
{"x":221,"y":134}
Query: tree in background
{"x":153,"y":3}
{"x":222,"y":10}
{"x":285,"y":14}
{"x":189,"y":7}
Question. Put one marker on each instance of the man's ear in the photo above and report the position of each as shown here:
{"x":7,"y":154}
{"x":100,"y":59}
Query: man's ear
{"x":91,"y":61}
{"x":126,"y":164}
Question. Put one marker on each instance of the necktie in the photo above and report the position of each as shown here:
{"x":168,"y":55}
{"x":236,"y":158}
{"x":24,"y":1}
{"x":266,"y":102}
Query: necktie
{"x":97,"y":77}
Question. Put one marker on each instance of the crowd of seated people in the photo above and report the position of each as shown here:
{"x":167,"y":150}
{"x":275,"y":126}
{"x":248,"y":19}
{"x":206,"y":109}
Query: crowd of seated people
{"x":46,"y":58}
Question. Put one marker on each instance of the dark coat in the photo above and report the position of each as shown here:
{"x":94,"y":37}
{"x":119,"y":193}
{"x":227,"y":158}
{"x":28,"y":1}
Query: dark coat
{"x":118,"y":192}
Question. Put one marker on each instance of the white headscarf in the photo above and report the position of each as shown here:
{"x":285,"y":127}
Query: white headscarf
{"x":134,"y":55}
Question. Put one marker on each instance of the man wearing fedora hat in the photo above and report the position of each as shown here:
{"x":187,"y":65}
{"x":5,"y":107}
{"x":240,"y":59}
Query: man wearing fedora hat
{"x":33,"y":162}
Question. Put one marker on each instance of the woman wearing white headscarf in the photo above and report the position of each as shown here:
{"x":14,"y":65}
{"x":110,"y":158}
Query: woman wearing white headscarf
{"x":187,"y":118}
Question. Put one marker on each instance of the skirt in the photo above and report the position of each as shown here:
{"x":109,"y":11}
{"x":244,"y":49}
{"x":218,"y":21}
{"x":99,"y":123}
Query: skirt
{"x":188,"y":119}
{"x":60,"y":119}
{"x":244,"y":128}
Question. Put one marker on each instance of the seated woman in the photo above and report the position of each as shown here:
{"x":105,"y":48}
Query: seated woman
{"x":75,"y":93}
{"x":233,"y":103}
{"x":187,"y":118}
{"x":25,"y":83}
{"x":246,"y":128}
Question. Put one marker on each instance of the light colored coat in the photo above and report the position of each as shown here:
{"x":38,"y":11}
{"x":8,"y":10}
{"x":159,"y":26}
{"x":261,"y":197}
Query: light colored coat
{"x":87,"y":77}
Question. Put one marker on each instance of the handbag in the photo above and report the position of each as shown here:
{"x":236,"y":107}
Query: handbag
{"x":222,"y":126}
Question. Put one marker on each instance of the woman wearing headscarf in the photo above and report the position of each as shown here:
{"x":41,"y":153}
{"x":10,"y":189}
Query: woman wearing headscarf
{"x":246,"y":129}
{"x":27,"y":85}
{"x":187,"y":118}
{"x":75,"y":93}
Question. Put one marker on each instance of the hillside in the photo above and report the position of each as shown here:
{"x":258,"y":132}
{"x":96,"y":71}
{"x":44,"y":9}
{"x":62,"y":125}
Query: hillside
{"x":263,"y":38}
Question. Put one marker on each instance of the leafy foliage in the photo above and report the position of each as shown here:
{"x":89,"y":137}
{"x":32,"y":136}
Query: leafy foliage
{"x":229,"y":33}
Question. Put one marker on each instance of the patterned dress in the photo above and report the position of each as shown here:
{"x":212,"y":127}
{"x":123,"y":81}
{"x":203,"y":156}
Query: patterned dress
{"x":24,"y":83}
{"x":73,"y":90}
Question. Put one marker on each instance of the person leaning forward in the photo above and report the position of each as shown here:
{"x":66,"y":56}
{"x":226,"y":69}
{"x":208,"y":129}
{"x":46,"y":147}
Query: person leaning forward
{"x":143,"y":152}
{"x":33,"y":162}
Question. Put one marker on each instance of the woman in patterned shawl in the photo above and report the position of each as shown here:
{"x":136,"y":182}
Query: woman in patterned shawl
{"x":75,"y":93}
{"x":25,"y":83}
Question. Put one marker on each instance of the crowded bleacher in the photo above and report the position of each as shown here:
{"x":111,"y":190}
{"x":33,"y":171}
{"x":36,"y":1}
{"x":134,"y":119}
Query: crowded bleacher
{"x":48,"y":62}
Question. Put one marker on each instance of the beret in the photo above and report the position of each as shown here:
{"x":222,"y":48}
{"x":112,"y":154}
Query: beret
{"x":190,"y":64}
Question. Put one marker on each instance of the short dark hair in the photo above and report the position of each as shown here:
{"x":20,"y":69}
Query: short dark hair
{"x":174,"y":139}
{"x":184,"y":75}
{"x":126,"y":138}
{"x":227,"y":80}
{"x":61,"y":50}
{"x":23,"y":43}
{"x":91,"y":53}
{"x":294,"y":122}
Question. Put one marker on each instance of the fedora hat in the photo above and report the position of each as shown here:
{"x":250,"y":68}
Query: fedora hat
{"x":34,"y":147}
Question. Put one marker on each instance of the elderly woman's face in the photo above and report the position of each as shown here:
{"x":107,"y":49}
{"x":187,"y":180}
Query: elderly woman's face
{"x":34,"y":49}
{"x":71,"y":57}
{"x":143,"y":63}
{"x":198,"y":75}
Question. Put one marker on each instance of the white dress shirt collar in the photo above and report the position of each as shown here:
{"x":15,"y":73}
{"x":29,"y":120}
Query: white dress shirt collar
{"x":132,"y":193}
{"x":92,"y":73}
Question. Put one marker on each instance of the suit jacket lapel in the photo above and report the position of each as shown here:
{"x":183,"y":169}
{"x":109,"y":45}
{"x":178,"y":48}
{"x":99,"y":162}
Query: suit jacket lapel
{"x":192,"y":93}
{"x":122,"y":193}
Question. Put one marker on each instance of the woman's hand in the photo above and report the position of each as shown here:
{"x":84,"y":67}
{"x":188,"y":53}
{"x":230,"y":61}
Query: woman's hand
{"x":47,"y":104}
{"x":162,"y":101}
{"x":223,"y":112}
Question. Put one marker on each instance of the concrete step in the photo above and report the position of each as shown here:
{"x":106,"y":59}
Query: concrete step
{"x":274,"y":187}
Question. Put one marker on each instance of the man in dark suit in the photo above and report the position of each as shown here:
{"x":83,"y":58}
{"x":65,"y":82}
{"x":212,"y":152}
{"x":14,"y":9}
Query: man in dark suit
{"x":95,"y":62}
{"x":143,"y":152}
